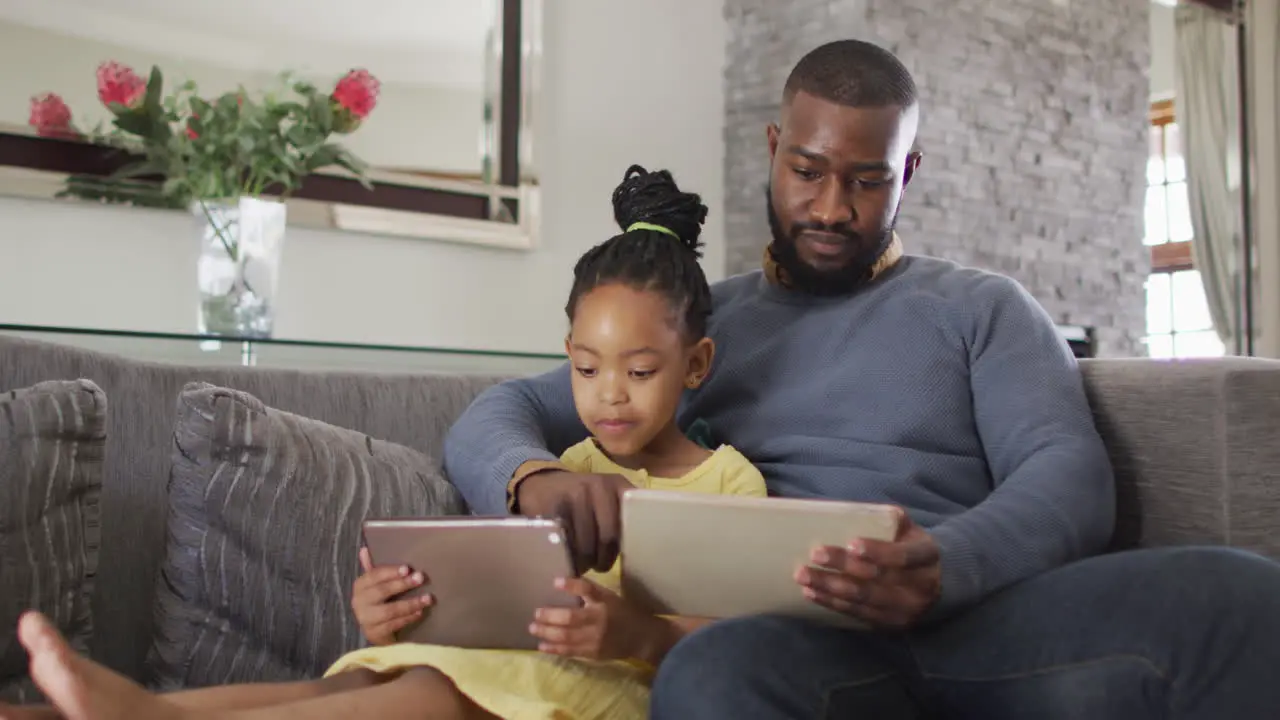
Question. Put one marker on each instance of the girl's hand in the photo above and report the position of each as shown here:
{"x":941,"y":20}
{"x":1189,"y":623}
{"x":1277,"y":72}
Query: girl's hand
{"x":380,"y":620}
{"x":604,"y":628}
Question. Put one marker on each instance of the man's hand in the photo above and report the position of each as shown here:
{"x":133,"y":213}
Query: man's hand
{"x":887,"y":584}
{"x":380,"y":620}
{"x":604,"y":628}
{"x":588,"y":505}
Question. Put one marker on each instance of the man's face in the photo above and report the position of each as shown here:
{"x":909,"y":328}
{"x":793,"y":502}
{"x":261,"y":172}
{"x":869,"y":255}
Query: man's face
{"x":835,"y":183}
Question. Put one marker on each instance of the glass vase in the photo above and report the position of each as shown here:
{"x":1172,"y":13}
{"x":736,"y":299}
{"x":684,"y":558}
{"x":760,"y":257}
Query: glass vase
{"x":239,"y":267}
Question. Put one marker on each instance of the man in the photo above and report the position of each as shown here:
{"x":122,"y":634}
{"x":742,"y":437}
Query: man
{"x":849,"y":370}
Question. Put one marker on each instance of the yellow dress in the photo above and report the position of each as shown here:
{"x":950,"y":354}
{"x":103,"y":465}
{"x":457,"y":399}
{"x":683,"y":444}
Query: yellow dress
{"x":522,"y":685}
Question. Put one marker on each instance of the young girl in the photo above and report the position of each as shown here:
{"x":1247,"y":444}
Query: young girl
{"x":638,"y":316}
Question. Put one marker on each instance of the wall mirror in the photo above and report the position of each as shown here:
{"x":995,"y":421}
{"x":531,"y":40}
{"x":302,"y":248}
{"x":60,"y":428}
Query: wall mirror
{"x":448,"y":146}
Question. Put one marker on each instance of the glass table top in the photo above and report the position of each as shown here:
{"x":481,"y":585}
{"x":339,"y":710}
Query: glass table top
{"x":193,"y":349}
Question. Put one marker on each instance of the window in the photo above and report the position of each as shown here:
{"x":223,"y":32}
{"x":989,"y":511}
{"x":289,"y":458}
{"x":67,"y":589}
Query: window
{"x":1178,"y":322}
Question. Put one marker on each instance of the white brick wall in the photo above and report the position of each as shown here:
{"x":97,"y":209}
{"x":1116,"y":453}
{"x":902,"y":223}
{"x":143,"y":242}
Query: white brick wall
{"x":1034,"y":119}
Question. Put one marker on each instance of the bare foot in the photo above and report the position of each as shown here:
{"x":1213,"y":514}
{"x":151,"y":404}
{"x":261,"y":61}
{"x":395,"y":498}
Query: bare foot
{"x":78,"y":687}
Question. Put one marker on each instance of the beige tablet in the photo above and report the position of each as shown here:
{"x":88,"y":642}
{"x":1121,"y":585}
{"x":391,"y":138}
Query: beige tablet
{"x":488,"y":575}
{"x":723,"y":556}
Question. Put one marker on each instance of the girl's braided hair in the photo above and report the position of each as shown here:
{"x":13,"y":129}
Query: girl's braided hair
{"x":660,"y":254}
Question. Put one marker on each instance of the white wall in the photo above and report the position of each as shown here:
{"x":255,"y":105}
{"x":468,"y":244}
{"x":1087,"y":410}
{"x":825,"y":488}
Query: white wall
{"x":625,"y":82}
{"x":1163,"y":61}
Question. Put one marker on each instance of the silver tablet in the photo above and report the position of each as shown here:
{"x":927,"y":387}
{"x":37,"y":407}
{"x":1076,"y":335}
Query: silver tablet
{"x":724,"y":556}
{"x":488,"y":575}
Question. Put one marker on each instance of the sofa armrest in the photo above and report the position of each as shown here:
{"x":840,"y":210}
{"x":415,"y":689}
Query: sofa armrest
{"x":1196,"y":449}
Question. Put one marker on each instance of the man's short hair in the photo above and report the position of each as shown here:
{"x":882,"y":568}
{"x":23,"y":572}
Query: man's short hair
{"x":852,"y":73}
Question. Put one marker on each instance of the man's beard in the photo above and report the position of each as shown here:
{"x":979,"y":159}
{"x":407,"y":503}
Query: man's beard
{"x":805,"y":278}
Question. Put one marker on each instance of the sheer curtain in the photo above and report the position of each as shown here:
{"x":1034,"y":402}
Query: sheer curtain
{"x":1206,"y":106}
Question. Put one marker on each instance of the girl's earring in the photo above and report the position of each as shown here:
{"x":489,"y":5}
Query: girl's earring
{"x":693,"y":383}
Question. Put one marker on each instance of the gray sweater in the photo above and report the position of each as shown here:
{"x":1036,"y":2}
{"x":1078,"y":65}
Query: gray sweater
{"x":941,"y":389}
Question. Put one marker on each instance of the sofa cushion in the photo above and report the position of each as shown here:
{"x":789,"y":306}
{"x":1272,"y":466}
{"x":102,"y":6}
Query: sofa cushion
{"x":265,"y":517}
{"x":51,"y":443}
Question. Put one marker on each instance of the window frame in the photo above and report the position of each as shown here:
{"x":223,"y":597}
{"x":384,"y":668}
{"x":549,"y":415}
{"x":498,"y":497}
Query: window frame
{"x":1168,"y":257}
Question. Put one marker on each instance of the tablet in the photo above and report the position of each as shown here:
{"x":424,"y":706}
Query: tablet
{"x":726,"y":556}
{"x":488,"y":575}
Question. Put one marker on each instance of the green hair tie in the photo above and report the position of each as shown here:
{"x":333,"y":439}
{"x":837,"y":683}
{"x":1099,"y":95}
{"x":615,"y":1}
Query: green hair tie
{"x":655,"y":228}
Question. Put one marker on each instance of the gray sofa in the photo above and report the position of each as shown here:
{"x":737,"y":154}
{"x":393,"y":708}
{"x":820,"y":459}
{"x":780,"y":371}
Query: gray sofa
{"x":1193,"y":443}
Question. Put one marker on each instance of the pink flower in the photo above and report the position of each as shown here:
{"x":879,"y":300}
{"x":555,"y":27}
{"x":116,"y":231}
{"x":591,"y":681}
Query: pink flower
{"x":120,"y":85}
{"x":357,"y":93}
{"x":51,"y":117}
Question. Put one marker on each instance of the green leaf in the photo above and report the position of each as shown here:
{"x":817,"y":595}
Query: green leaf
{"x":200,"y":106}
{"x":321,"y":114}
{"x":175,"y":187}
{"x":354,"y":165}
{"x":137,"y":169}
{"x":142,"y":194}
{"x":155,"y":85}
{"x":147,"y":122}
{"x":303,"y":138}
{"x":351,"y":162}
{"x":324,"y":156}
{"x":136,"y":122}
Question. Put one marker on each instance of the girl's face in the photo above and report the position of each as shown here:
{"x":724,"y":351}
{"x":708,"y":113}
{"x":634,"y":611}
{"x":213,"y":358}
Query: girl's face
{"x":630,"y":365}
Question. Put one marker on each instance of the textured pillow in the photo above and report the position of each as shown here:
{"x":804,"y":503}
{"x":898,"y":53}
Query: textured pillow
{"x":265,"y":513}
{"x":51,"y":442}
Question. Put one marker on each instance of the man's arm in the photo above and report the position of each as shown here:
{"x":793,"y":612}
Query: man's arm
{"x":516,"y":423}
{"x":1054,"y":495}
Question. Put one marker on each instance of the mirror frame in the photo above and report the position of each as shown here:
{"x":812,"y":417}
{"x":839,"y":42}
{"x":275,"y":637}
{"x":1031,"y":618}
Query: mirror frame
{"x":501,"y":214}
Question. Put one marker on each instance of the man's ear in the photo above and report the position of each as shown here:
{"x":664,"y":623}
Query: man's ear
{"x":568,"y":344}
{"x":913,"y":164}
{"x":699,"y":366}
{"x":772,"y":133}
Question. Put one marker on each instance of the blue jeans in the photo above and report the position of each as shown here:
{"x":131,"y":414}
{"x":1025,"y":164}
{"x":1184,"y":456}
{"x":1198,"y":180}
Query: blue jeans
{"x":1172,"y":633}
